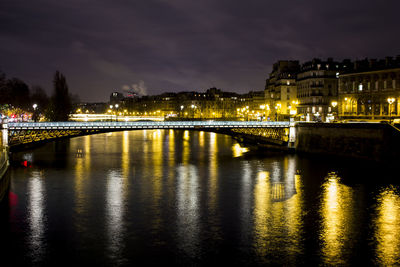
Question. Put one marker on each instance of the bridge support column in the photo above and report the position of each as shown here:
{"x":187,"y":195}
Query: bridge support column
{"x":4,"y":133}
{"x":292,"y":134}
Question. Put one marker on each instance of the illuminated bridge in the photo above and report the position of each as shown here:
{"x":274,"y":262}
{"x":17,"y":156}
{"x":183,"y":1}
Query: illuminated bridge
{"x":275,"y":133}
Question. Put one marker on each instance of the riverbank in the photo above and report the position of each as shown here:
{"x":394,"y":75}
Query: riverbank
{"x":371,"y":141}
{"x":4,"y":164}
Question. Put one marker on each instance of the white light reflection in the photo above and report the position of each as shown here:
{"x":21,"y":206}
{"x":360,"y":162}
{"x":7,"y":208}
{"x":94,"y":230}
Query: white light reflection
{"x":37,"y":218}
{"x":246,"y":197}
{"x":115,"y":211}
{"x":188,"y":208}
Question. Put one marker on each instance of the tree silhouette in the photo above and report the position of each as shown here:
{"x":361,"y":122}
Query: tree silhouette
{"x":60,"y":105}
{"x":19,"y":93}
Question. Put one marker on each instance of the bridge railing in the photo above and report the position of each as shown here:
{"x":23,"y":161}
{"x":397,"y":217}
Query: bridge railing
{"x":41,"y":125}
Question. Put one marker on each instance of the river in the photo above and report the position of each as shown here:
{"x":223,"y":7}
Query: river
{"x":194,"y":198}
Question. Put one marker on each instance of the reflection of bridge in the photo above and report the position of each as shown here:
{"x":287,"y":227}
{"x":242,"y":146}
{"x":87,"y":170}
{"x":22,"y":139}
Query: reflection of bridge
{"x":278,"y":133}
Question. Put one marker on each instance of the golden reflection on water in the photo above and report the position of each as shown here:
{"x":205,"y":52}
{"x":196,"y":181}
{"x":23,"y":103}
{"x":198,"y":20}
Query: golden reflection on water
{"x":337,"y":213}
{"x":387,"y":227}
{"x":82,"y":167}
{"x":262,"y":203}
{"x":171,"y":160}
{"x":238,"y":151}
{"x":201,"y":139}
{"x":186,"y":135}
{"x":185,"y":148}
{"x":157,"y":176}
{"x":125,"y":161}
{"x":213,"y":174}
{"x":278,"y":211}
{"x":293,"y":206}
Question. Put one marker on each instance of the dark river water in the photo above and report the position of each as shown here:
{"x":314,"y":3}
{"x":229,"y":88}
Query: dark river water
{"x":195,"y":198}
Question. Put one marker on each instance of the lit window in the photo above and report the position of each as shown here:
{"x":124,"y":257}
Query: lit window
{"x":360,"y":87}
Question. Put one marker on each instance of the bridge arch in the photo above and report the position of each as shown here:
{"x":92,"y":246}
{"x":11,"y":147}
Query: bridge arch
{"x":20,"y":134}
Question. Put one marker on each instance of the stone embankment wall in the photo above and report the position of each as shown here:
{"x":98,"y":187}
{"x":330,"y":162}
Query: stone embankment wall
{"x":4,"y":178}
{"x":358,"y":140}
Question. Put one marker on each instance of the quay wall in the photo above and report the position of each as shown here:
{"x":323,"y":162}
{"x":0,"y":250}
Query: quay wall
{"x":375,"y":141}
{"x":4,"y":163}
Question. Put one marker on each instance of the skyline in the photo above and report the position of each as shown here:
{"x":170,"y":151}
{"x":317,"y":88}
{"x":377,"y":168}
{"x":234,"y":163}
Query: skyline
{"x":170,"y":46}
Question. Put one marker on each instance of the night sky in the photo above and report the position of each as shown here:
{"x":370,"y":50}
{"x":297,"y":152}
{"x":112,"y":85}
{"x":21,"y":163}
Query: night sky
{"x":180,"y":45}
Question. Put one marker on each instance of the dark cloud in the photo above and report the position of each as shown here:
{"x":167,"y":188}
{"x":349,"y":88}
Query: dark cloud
{"x":177,"y":45}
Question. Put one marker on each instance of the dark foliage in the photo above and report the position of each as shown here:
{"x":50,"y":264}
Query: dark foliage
{"x":60,"y":105}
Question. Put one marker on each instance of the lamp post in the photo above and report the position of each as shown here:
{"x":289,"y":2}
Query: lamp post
{"x":116,"y":112}
{"x":34,"y":112}
{"x":390,"y":100}
{"x":334,"y":105}
{"x":111,"y":111}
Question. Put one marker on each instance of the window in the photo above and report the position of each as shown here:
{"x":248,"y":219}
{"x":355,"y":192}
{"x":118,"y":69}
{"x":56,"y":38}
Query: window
{"x":360,"y":87}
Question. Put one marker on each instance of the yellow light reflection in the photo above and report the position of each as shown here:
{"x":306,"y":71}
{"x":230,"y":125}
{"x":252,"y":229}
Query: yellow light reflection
{"x":82,"y":167}
{"x":186,"y":135}
{"x":125,"y":164}
{"x":238,"y":151}
{"x":156,"y":177}
{"x":262,"y":205}
{"x":171,"y":163}
{"x":213,"y":174}
{"x":201,"y":139}
{"x":336,"y":212}
{"x":387,"y":228}
{"x":157,"y":163}
{"x":185,"y":149}
{"x":278,"y":205}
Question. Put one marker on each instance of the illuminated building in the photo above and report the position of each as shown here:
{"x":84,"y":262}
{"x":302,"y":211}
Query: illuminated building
{"x":364,"y":90}
{"x":317,"y":84}
{"x":280,"y":89}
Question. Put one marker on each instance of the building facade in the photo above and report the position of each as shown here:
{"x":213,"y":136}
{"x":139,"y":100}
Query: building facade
{"x":280,"y":90}
{"x":370,"y":90}
{"x":317,"y":89}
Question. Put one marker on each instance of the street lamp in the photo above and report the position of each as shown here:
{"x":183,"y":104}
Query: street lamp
{"x":116,"y":113}
{"x":390,"y":100}
{"x":334,"y":105}
{"x":34,"y":112}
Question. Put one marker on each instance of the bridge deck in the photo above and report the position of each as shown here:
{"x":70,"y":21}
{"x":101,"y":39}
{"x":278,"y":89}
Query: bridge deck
{"x":144,"y":125}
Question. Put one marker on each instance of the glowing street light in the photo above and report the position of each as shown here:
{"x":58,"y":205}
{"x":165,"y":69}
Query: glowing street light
{"x":390,"y":100}
{"x":34,"y":112}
